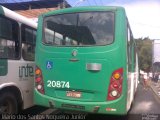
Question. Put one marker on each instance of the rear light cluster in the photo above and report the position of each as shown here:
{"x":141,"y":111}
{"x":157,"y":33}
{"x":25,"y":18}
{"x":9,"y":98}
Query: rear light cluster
{"x":115,"y":86}
{"x":39,"y":80}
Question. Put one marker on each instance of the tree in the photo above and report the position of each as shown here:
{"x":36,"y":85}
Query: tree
{"x":144,"y":47}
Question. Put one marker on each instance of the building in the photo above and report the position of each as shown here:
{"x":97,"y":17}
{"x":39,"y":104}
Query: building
{"x":32,"y":9}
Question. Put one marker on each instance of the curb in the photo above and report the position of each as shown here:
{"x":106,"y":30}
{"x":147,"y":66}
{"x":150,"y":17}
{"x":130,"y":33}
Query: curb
{"x":157,"y":93}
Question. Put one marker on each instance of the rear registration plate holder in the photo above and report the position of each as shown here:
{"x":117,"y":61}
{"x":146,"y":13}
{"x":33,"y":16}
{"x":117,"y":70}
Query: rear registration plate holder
{"x":73,"y":94}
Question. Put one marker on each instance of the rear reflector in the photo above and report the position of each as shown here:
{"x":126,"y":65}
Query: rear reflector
{"x":111,"y":109}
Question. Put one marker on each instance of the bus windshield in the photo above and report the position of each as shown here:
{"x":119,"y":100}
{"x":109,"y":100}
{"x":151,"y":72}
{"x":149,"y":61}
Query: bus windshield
{"x":79,"y":29}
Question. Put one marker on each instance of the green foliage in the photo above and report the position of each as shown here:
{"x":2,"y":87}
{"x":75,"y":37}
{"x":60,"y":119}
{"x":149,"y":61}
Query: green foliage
{"x":144,"y":47}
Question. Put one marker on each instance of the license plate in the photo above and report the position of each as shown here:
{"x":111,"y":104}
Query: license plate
{"x":73,"y":94}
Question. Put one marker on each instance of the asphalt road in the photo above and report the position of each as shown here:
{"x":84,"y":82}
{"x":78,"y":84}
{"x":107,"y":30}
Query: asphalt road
{"x":146,"y":106}
{"x":145,"y":102}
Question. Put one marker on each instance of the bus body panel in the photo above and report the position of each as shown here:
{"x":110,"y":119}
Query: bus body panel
{"x":114,"y":107}
{"x":92,"y":83}
{"x":3,"y":67}
{"x":3,"y":63}
{"x":20,"y":74}
{"x":1,"y":10}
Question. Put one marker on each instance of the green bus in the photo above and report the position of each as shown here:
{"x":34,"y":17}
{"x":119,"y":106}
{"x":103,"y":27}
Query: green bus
{"x":86,"y":60}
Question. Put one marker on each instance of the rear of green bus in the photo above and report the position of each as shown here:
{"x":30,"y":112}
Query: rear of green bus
{"x":81,"y":60}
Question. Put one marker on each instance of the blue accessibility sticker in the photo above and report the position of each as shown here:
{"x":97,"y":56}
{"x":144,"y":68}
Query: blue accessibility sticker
{"x":49,"y":65}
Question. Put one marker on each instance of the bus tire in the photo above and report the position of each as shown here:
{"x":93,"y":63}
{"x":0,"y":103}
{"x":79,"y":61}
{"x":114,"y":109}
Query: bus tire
{"x":8,"y":103}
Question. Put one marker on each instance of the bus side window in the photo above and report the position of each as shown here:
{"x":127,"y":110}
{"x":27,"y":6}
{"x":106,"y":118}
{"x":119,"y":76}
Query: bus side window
{"x":131,"y":51}
{"x":9,"y":43}
{"x":28,"y":42}
{"x":129,"y":43}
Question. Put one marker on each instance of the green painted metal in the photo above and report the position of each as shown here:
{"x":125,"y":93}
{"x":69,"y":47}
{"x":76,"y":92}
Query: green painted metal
{"x":3,"y":62}
{"x":3,"y":67}
{"x":92,"y":84}
{"x":1,"y":10}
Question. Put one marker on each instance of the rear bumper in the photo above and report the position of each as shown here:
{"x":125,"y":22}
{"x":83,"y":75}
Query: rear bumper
{"x":113,"y":107}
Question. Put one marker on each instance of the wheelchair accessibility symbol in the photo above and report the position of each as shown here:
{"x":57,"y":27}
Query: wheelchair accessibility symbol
{"x":49,"y":65}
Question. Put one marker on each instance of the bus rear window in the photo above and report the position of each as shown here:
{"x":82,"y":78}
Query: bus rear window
{"x":79,"y":29}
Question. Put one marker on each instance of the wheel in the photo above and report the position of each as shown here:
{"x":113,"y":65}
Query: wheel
{"x":8,"y":103}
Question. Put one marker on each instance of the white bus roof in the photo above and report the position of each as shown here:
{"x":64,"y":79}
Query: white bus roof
{"x":15,"y":16}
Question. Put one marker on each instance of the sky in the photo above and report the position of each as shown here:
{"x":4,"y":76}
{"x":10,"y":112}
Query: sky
{"x":143,"y":15}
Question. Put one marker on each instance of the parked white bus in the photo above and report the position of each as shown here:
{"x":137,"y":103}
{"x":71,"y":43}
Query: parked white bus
{"x":17,"y":43}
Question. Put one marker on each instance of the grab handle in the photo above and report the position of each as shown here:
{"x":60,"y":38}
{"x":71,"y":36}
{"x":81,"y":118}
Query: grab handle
{"x":93,"y":66}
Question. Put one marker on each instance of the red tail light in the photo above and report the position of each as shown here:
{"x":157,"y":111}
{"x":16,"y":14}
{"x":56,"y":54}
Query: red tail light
{"x":39,"y":80}
{"x":115,"y":86}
